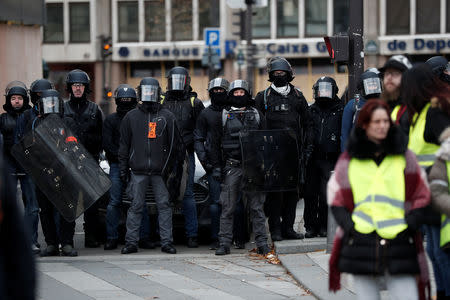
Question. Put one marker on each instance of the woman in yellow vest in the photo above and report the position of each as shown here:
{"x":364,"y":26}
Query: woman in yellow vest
{"x":428,"y":119}
{"x":439,"y":184}
{"x":377,"y":196}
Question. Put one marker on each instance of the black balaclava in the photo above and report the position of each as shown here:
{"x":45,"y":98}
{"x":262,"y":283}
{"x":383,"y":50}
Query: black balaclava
{"x":219,"y":99}
{"x":125,"y":106}
{"x":279,"y":81}
{"x":176,"y":94}
{"x":239,"y":101}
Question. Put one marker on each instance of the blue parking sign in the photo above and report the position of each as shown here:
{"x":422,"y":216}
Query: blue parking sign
{"x":212,"y":37}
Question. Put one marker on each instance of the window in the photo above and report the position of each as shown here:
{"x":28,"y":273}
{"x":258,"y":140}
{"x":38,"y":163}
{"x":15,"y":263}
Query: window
{"x":128,"y":21}
{"x":397,"y":17}
{"x":145,"y":69}
{"x":208,"y":14}
{"x":315,"y":17}
{"x":261,"y":22}
{"x":287,"y":15}
{"x":155,"y":20}
{"x":181,"y":20}
{"x":340,"y":15}
{"x":428,"y":16}
{"x":54,"y":29}
{"x":79,"y":23}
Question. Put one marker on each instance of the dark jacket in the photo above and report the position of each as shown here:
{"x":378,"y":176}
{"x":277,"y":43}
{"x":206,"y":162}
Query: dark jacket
{"x":88,"y":124}
{"x":296,"y":117}
{"x":436,"y":122}
{"x":208,"y":128}
{"x":227,"y":144}
{"x":137,"y":151}
{"x":349,"y":119}
{"x":111,"y":136}
{"x":186,"y":111}
{"x":327,"y":118}
{"x":366,"y":253}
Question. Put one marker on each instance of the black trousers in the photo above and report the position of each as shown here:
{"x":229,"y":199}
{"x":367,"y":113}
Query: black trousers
{"x":280,"y":208}
{"x":49,"y":219}
{"x":316,"y":210}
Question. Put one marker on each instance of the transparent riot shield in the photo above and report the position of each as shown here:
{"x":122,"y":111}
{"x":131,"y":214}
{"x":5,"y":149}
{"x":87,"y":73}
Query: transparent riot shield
{"x":270,"y":160}
{"x":61,"y":167}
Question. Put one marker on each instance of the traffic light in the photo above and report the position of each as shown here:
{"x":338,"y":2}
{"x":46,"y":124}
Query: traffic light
{"x":239,"y":24}
{"x":337,"y":47}
{"x":107,"y":93}
{"x":106,"y":49}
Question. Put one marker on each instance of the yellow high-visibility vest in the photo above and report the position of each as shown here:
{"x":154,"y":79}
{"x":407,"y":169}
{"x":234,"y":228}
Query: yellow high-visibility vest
{"x":445,"y":220}
{"x":379,"y":195}
{"x":394,"y":113}
{"x":424,"y":151}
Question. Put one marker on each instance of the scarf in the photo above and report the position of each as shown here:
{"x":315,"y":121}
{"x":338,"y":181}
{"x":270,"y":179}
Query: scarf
{"x":283,"y":90}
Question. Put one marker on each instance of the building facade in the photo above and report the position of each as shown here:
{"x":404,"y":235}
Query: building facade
{"x":151,"y":36}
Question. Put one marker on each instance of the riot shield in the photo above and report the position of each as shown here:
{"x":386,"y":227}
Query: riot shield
{"x":175,"y":172}
{"x":270,"y":160}
{"x":61,"y":167}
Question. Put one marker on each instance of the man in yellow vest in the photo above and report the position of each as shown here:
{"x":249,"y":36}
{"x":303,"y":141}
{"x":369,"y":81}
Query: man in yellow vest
{"x":391,"y":74}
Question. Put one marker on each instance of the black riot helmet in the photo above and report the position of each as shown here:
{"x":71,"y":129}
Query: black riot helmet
{"x":278,"y":63}
{"x":126,"y":98}
{"x":369,"y":85}
{"x":178,"y":79}
{"x":325,"y":88}
{"x":78,"y":76}
{"x":218,"y":83}
{"x":16,"y":88}
{"x":440,"y":67}
{"x":149,"y":90}
{"x":50,"y":102}
{"x":38,"y":86}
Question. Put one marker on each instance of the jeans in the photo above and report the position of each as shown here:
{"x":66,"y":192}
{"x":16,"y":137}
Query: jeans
{"x":189,"y":205}
{"x":113,"y":208}
{"x":440,"y":260}
{"x":136,"y":193}
{"x":399,"y":286}
{"x":29,"y":200}
{"x":214,"y":206}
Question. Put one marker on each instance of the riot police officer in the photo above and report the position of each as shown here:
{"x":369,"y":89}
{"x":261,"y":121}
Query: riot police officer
{"x":16,"y":104}
{"x":209,"y":125}
{"x":285,"y":107}
{"x":146,"y":138}
{"x":240,"y":118}
{"x":88,"y":128}
{"x":50,"y":103}
{"x":184,"y":104}
{"x":126,"y":100}
{"x":326,"y":113}
{"x":369,"y":86}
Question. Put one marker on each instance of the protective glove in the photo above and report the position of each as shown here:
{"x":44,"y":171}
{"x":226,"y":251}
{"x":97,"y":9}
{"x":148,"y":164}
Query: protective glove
{"x":217,"y":174}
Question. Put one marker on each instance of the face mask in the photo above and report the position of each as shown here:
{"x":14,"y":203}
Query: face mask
{"x":219,"y":99}
{"x":239,"y":101}
{"x":125,"y":106}
{"x":176,"y":94}
{"x":280,"y":81}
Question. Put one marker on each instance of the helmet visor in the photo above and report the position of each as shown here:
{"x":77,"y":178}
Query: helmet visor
{"x":372,"y":86}
{"x":149,"y":93}
{"x":177,"y":82}
{"x":324,"y":90}
{"x":50,"y":105}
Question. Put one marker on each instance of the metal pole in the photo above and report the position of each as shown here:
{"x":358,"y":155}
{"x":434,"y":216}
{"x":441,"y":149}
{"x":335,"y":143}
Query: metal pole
{"x":248,"y":35}
{"x":356,"y":46}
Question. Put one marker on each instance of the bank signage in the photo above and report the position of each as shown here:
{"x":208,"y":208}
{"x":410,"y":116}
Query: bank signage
{"x":415,"y":44}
